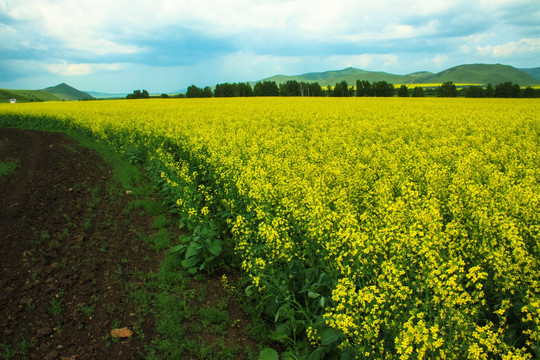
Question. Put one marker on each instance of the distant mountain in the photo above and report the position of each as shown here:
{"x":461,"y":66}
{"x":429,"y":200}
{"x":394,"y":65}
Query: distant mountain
{"x":65,"y":92}
{"x":350,"y":75}
{"x":462,"y":74}
{"x":482,"y":74}
{"x":534,"y":72}
{"x":102,"y":95}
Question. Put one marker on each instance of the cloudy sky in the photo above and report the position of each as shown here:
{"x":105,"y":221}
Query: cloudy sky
{"x":166,"y":45}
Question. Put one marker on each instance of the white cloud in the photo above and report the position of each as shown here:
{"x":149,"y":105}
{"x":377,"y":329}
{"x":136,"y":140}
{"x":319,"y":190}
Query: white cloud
{"x":440,"y":60}
{"x":511,"y":48}
{"x":66,"y":69}
{"x":251,"y":66}
{"x":70,"y":69}
{"x":211,"y":41}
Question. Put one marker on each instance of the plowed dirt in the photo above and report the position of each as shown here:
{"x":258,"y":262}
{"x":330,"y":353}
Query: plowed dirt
{"x":69,"y":248}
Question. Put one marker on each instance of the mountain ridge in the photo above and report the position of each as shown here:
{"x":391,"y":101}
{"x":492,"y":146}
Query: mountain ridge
{"x":65,"y":92}
{"x":481,"y":74}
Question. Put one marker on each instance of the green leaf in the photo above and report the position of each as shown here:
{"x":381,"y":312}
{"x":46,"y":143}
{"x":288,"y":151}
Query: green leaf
{"x":184,"y":238}
{"x":318,"y":354}
{"x":180,"y":247}
{"x":282,"y":332}
{"x":193,"y":249}
{"x":312,"y":295}
{"x":248,"y":289}
{"x":329,"y":336}
{"x":215,"y":248}
{"x":268,"y":354}
{"x":191,"y":262}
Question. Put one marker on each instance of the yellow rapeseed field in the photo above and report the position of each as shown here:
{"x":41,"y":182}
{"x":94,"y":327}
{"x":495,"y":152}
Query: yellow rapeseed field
{"x":382,"y":227}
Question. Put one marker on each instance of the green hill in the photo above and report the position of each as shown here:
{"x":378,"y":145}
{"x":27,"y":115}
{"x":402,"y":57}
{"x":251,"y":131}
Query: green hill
{"x":65,"y":92}
{"x":482,"y":74}
{"x":26,"y":95}
{"x":463,"y":74}
{"x":534,"y":72}
{"x":350,"y":75}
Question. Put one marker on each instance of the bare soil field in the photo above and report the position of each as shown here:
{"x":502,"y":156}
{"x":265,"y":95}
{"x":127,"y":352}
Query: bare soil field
{"x":70,"y":247}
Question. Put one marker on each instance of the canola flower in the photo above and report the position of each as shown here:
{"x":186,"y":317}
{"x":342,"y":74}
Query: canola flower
{"x":422,"y":212}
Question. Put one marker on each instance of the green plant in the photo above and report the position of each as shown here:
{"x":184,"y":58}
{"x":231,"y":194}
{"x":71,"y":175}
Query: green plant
{"x":31,"y":305}
{"x":268,"y":354}
{"x":86,"y":310}
{"x":201,"y":250}
{"x":6,"y":351}
{"x":160,"y":240}
{"x":214,"y":316}
{"x":55,"y":307}
{"x":160,"y":222}
{"x":7,"y":168}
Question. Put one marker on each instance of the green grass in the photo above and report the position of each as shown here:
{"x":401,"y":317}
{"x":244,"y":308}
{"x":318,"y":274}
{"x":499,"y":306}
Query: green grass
{"x":8,"y":167}
{"x":55,"y":93}
{"x":21,"y":348}
{"x":86,"y":310}
{"x":215,"y":319}
{"x":26,"y":95}
{"x":56,"y":306}
{"x":160,"y":240}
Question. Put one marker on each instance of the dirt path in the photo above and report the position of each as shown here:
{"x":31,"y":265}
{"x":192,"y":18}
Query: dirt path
{"x":68,"y":251}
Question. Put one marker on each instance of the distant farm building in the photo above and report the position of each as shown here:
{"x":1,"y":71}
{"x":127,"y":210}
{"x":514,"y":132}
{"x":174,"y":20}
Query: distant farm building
{"x":12,"y":100}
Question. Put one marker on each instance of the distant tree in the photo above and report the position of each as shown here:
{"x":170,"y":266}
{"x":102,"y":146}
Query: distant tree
{"x":194,"y":92}
{"x":233,"y":90}
{"x":315,"y":89}
{"x":341,"y":89}
{"x":258,"y":89}
{"x":529,"y":92}
{"x":207,"y":92}
{"x":490,"y":91}
{"x":289,"y":88}
{"x":475,"y":92}
{"x":363,"y":88}
{"x":225,"y":90}
{"x":283,"y":90}
{"x":418,"y":91}
{"x":138,"y":94}
{"x":447,"y":89}
{"x":244,"y":89}
{"x":507,"y":90}
{"x":165,"y":96}
{"x":304,"y":89}
{"x":383,"y":88}
{"x":403,"y":91}
{"x":329,"y":90}
{"x":266,"y":88}
{"x":294,"y":88}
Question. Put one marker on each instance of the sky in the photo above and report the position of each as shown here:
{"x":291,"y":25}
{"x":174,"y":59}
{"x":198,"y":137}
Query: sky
{"x":116,"y":46}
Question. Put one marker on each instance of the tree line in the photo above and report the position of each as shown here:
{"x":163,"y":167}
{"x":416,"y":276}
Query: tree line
{"x":363,"y":88}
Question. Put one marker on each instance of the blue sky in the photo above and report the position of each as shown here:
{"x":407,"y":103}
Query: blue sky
{"x":117,"y":46}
